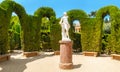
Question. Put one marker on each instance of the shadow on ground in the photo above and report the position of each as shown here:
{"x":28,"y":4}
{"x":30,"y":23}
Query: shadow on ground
{"x":18,"y":65}
{"x":77,"y":66}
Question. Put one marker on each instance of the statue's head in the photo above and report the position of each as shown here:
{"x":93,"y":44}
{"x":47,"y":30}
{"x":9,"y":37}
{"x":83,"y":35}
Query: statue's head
{"x":65,"y":13}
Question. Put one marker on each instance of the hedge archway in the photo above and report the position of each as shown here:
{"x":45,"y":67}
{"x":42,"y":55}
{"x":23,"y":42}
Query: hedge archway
{"x":101,"y":13}
{"x":79,"y":15}
{"x":45,"y":12}
{"x":87,"y":34}
{"x":76,"y":14}
{"x":50,"y":14}
{"x":7,"y":7}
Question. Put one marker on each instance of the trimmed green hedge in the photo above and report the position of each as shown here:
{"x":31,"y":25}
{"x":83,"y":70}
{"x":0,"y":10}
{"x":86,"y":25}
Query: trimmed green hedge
{"x":77,"y":46}
{"x":55,"y":36}
{"x":80,"y":15}
{"x":3,"y":32}
{"x":14,"y":33}
{"x":113,"y":45}
{"x":50,"y":14}
{"x":87,"y":35}
{"x":32,"y":39}
{"x":8,"y":7}
{"x":91,"y":29}
{"x":75,"y":14}
{"x":44,"y":12}
{"x":101,"y":13}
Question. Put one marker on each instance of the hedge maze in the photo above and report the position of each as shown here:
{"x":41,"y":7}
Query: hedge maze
{"x":90,"y":35}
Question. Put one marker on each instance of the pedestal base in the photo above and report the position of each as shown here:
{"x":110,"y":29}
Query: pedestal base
{"x":66,"y":65}
{"x":66,"y":55}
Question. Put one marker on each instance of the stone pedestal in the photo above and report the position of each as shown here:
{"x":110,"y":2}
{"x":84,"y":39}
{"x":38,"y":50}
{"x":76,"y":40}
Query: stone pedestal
{"x":66,"y":55}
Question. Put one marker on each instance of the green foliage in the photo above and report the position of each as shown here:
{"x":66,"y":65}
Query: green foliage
{"x":107,"y":28}
{"x":45,"y":12}
{"x":92,"y":14}
{"x":75,"y":15}
{"x":6,"y":9}
{"x":112,"y":11}
{"x":45,"y":25}
{"x":87,"y":35}
{"x":79,"y":15}
{"x":3,"y":31}
{"x":77,"y":42}
{"x":33,"y":33}
{"x":32,"y":28}
{"x":114,"y":38}
{"x":14,"y":33}
{"x":46,"y":42}
{"x":45,"y":33}
{"x":55,"y":35}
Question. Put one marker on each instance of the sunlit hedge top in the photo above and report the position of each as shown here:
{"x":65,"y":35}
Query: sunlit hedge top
{"x":45,"y":12}
{"x":111,"y":10}
{"x":76,"y":14}
{"x":11,"y":6}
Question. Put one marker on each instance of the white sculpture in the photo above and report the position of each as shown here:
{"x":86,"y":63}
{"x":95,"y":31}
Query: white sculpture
{"x":65,"y":27}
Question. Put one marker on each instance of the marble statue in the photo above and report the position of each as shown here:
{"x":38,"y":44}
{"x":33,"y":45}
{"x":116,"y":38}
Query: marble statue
{"x":65,"y":27}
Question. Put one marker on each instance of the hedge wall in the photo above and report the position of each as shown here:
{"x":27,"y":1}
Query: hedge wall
{"x":101,"y":13}
{"x":113,"y":45}
{"x":77,"y":42}
{"x":91,"y":29}
{"x":48,"y":12}
{"x":9,"y":7}
{"x":75,"y":14}
{"x":3,"y":32}
{"x":55,"y":35}
{"x":32,"y":40}
{"x":44,"y":12}
{"x":14,"y":33}
{"x":30,"y":24}
{"x":87,"y":35}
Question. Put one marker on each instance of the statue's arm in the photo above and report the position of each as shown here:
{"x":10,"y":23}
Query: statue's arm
{"x":60,"y":21}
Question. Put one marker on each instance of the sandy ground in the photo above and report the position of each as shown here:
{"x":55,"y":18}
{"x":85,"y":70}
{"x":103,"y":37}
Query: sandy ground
{"x":47,"y":62}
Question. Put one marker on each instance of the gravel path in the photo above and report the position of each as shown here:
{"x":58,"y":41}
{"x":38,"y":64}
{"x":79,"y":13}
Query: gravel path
{"x":48,"y":62}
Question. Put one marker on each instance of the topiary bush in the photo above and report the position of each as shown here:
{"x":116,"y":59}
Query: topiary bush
{"x":101,"y":13}
{"x":55,"y":35}
{"x":42,"y":13}
{"x":45,"y":12}
{"x":14,"y":33}
{"x":79,"y":15}
{"x":9,"y":7}
{"x":77,"y":42}
{"x":91,"y":29}
{"x":3,"y":31}
{"x":87,"y":35}
{"x":75,"y":14}
{"x":113,"y":45}
{"x":33,"y":33}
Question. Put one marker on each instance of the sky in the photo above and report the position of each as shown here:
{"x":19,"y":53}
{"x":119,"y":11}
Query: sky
{"x":61,"y":6}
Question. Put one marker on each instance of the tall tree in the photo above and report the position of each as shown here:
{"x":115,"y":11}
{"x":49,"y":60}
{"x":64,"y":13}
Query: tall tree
{"x":92,"y":14}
